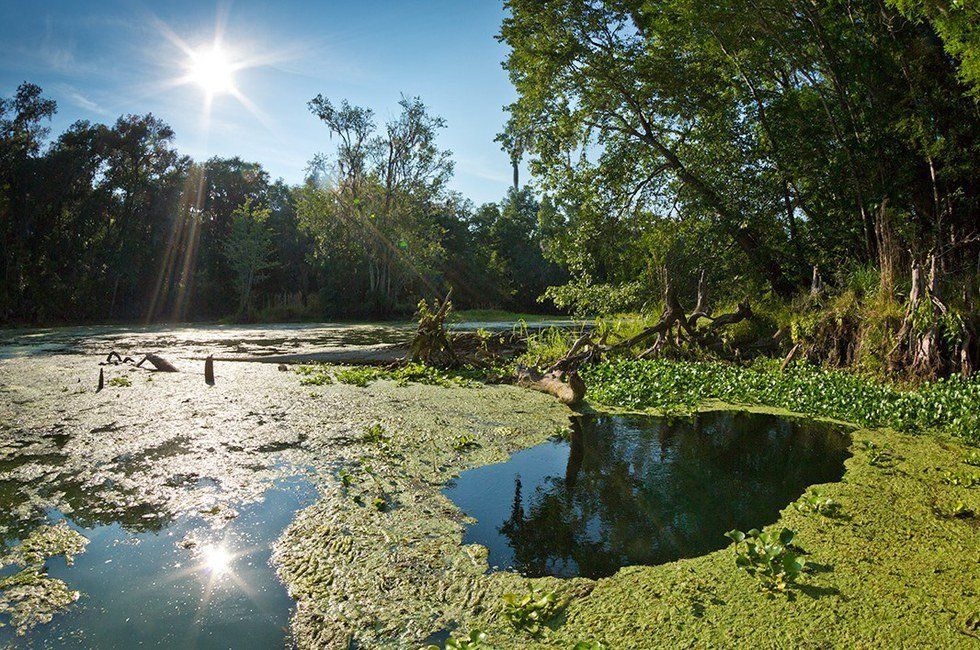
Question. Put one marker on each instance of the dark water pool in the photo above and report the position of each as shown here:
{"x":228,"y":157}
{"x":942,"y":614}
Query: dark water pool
{"x":628,"y":490}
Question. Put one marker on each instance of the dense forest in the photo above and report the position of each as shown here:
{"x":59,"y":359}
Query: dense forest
{"x":778,"y":146}
{"x":111,"y":223}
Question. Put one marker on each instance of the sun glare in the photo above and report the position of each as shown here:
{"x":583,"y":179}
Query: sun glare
{"x":216,"y":559}
{"x":212,"y":70}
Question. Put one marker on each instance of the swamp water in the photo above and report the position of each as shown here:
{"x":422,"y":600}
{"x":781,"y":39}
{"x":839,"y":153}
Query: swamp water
{"x":642,"y":490}
{"x":182,"y":582}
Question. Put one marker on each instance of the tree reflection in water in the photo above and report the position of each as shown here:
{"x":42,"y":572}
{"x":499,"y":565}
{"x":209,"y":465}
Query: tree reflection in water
{"x":630,"y":490}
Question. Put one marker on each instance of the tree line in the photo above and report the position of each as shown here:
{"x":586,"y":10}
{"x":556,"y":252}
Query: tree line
{"x":111,"y":223}
{"x":753,"y":139}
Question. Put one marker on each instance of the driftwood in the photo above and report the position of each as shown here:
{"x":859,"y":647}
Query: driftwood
{"x":159,"y":363}
{"x":571,"y":392}
{"x":209,"y":370}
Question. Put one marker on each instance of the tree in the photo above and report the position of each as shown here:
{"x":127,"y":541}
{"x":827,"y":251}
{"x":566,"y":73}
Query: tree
{"x":379,"y":200}
{"x":783,"y":125}
{"x":248,"y":250}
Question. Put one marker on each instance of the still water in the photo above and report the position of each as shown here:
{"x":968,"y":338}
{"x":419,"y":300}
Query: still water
{"x":629,"y":490}
{"x":184,"y":582}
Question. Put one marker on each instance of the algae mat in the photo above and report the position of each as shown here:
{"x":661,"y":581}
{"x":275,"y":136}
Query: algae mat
{"x":377,"y":559}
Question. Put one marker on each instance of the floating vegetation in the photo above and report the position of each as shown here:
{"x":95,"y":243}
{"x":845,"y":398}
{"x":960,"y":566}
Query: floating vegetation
{"x":818,"y":504}
{"x":952,"y":405}
{"x":475,"y":640}
{"x":530,"y":612}
{"x":120,"y":382}
{"x":30,"y":597}
{"x":767,"y":557}
{"x":414,"y":373}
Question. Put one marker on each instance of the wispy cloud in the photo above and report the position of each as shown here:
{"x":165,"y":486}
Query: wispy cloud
{"x":483,"y":170}
{"x":72,"y":95}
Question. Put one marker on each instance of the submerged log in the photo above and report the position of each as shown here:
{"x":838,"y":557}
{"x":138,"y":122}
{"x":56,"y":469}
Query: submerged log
{"x":158,"y":362}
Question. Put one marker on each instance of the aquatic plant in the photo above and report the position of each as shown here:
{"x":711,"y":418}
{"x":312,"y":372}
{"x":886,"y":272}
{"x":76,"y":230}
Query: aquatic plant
{"x":464,"y":442}
{"x":120,"y":382}
{"x":375,"y":434}
{"x":954,"y":510}
{"x":961,"y":479}
{"x":767,"y":557}
{"x":531,"y":611}
{"x":590,"y":645}
{"x":951,"y":405}
{"x":30,"y":597}
{"x":345,"y":478}
{"x":413,"y":372}
{"x":317,"y":375}
{"x":816,"y":503}
{"x":878,"y":455}
{"x":358,"y":376}
{"x":475,"y":640}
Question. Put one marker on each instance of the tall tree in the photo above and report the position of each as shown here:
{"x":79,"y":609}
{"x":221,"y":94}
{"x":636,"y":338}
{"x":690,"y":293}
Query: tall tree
{"x":248,"y":250}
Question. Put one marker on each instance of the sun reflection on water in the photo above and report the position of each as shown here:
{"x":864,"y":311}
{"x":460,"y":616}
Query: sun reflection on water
{"x":216,"y":560}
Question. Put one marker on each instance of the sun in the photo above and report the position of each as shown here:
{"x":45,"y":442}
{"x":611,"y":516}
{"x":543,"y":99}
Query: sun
{"x":212,"y":70}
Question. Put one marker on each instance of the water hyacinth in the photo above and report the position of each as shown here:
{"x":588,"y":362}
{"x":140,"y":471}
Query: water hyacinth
{"x":950,"y":405}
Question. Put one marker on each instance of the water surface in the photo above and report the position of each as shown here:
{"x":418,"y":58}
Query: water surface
{"x":182,"y":582}
{"x":629,"y":490}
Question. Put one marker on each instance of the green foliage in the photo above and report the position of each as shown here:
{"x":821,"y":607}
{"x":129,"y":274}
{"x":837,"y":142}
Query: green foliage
{"x":816,"y":503}
{"x":530,"y":612}
{"x":375,"y":434}
{"x":957,"y":22}
{"x":249,"y":250}
{"x":380,"y":504}
{"x":475,"y":640}
{"x":950,"y":405}
{"x":120,"y":382}
{"x":767,"y":557}
{"x":663,"y":132}
{"x":465,"y":443}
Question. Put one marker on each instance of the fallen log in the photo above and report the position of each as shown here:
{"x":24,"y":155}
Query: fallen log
{"x":570,"y":393}
{"x":158,"y":363}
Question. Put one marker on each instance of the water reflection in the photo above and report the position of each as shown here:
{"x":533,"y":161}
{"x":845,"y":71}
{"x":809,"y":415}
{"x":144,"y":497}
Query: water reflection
{"x":641,"y":490}
{"x":185,"y":583}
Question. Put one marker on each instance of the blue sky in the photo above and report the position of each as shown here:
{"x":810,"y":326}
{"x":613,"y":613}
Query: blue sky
{"x":103,"y":59}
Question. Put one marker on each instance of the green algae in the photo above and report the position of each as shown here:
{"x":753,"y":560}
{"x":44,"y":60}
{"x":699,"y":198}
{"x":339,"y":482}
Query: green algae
{"x":30,"y":597}
{"x":887,"y":569}
{"x":899,"y":567}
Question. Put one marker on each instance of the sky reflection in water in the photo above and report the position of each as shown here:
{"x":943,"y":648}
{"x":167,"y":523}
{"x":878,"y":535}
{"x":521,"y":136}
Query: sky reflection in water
{"x":186,"y":585}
